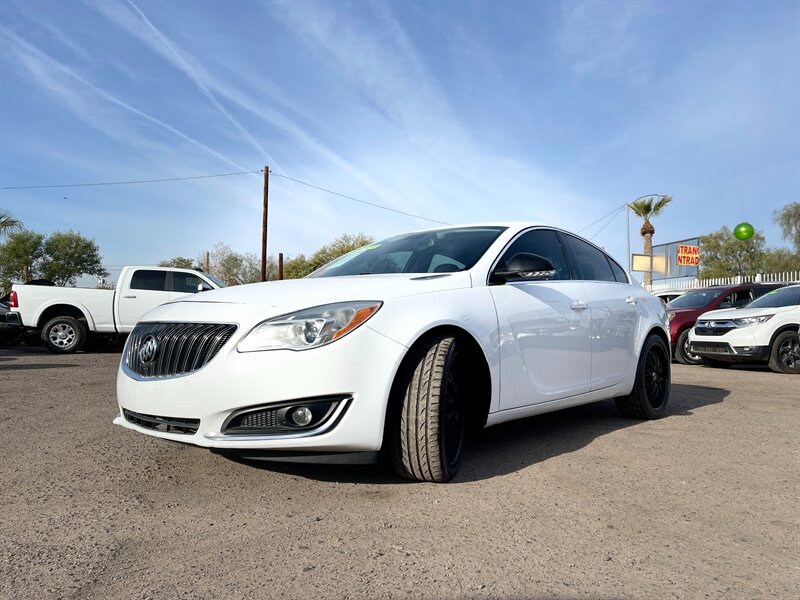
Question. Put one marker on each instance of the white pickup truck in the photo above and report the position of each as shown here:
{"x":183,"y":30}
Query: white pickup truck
{"x":66,"y":316}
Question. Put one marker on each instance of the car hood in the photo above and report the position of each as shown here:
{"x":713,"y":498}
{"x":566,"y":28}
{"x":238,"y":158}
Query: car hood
{"x":740,"y":313}
{"x":259,"y":301}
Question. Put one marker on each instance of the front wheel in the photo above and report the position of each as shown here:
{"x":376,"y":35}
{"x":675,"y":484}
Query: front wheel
{"x":784,"y":357}
{"x":64,"y":335}
{"x":427,"y":437}
{"x":682,"y":352}
{"x":650,"y":394}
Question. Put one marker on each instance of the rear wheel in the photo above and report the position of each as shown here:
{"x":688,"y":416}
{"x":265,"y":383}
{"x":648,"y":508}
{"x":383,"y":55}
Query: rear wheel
{"x":784,"y":357}
{"x":427,"y":437}
{"x":650,"y":394}
{"x":64,"y":335}
{"x":682,"y":352}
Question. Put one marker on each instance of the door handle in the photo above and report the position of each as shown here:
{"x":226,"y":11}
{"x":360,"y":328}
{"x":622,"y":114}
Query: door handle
{"x":579,"y":305}
{"x":129,"y":296}
{"x":631,"y":300}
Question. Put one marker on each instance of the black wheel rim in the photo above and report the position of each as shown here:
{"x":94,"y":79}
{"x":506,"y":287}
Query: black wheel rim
{"x":453,"y":422}
{"x":789,"y":352}
{"x":656,"y":377}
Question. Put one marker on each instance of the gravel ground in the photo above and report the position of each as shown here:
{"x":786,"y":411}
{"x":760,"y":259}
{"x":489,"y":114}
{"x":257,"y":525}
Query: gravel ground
{"x":576,"y":504}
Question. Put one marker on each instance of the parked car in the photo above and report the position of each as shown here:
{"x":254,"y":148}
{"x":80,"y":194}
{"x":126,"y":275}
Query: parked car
{"x":10,"y":331}
{"x":668,"y":296}
{"x":764,"y":331}
{"x":684,"y":311}
{"x":399,"y":346}
{"x":66,"y":316}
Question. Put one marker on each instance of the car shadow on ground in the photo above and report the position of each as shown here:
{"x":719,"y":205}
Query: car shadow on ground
{"x":510,"y":447}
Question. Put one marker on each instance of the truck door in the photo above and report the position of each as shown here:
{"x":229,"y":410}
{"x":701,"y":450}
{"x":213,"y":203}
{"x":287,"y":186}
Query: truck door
{"x":184,"y":283}
{"x":147,"y":289}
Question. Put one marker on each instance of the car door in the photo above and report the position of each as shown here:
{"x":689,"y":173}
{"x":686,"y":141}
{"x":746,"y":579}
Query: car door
{"x":183,"y":284}
{"x":615,"y":316}
{"x":543,"y":327}
{"x":148,"y":289}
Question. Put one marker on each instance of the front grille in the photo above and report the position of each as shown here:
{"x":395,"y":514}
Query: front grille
{"x":714,"y":327}
{"x":163,"y":424}
{"x":174,"y":348}
{"x":716,"y":347}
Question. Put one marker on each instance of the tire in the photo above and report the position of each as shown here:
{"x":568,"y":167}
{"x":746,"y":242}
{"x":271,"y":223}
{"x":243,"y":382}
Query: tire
{"x":784,"y":357}
{"x":717,"y":364}
{"x":650,"y":394}
{"x":682,"y":354}
{"x":64,"y":335}
{"x":427,"y":436}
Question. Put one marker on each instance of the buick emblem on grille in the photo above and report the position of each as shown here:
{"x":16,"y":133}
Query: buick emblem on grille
{"x":148,"y":350}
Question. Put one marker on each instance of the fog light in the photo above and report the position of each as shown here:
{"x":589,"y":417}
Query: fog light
{"x":301,"y":416}
{"x":744,"y":348}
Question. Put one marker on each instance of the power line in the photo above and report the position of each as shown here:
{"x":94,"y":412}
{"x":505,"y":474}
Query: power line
{"x":322,"y":189}
{"x":135,"y":181}
{"x":603,"y":217}
{"x":616,"y":214}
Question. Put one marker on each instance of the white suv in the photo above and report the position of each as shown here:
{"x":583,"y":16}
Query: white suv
{"x":766,"y":330}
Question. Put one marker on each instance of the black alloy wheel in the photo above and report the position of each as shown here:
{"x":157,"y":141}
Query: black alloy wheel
{"x":785,"y":354}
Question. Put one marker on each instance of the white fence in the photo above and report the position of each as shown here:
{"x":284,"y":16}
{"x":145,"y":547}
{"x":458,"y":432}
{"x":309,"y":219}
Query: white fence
{"x":690,"y":284}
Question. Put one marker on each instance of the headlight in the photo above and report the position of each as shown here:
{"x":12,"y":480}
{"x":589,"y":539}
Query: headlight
{"x":310,"y":328}
{"x":747,"y":321}
{"x":670,"y":316}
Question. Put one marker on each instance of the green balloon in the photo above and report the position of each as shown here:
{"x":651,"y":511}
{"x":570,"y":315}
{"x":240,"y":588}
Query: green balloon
{"x":743,"y":231}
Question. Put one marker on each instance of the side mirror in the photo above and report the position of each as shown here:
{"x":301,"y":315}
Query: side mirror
{"x":527,"y":267}
{"x":203,"y":287}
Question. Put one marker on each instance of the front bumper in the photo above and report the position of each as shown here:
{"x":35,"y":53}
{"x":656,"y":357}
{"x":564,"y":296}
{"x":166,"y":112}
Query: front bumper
{"x":739,"y":345}
{"x":359,"y":369}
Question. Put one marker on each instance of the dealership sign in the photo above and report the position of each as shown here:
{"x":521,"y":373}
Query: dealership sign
{"x":687,"y":255}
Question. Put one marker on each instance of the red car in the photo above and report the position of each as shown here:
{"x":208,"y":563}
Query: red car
{"x":684,"y":310}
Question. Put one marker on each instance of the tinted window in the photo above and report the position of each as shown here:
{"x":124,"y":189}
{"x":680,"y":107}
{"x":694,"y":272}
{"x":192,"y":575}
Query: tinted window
{"x":736,"y":299}
{"x":590,"y":263}
{"x":619,"y":272}
{"x":697,"y":299}
{"x":543,"y":242}
{"x":788,"y":296}
{"x":760,"y":291}
{"x":149,"y":280}
{"x":185,"y":282}
{"x":437,"y":250}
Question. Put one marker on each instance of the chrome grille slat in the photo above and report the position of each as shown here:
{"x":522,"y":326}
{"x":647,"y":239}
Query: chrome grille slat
{"x":182,"y":347}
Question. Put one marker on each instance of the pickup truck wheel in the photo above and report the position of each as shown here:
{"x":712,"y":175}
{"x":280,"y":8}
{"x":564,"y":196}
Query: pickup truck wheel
{"x":682,"y":353}
{"x":650,"y":394}
{"x":428,"y":437}
{"x":64,"y":335}
{"x":785,"y":354}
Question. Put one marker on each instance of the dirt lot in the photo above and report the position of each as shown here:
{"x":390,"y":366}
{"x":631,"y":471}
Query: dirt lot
{"x":578,"y":504}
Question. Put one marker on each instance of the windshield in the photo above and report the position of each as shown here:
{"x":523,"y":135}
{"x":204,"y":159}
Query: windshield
{"x":788,"y":296}
{"x":215,"y":280}
{"x":435,"y":251}
{"x":696,"y":299}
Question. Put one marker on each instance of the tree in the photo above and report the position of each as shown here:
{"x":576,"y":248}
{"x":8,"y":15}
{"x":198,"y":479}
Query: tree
{"x":722,"y":255}
{"x":788,"y":219}
{"x":21,"y":257}
{"x":234,"y":268}
{"x":647,"y":208}
{"x":8,"y":224}
{"x":300,"y":266}
{"x":780,"y":260}
{"x":180,"y":262}
{"x":70,"y":255}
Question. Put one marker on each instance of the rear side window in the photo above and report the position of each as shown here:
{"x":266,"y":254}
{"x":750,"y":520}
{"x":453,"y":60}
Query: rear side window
{"x":591,"y":264}
{"x":185,"y":283}
{"x":149,"y":280}
{"x":619,"y":272}
{"x":543,"y":242}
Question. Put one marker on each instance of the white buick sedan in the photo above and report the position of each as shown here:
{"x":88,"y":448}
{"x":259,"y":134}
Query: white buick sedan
{"x":402,"y":347}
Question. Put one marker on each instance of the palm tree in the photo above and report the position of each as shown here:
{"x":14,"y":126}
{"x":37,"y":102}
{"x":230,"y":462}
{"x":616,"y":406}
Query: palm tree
{"x":645,"y":208}
{"x":8,"y":223}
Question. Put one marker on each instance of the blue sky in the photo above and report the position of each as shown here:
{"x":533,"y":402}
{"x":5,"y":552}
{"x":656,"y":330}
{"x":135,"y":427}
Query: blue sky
{"x":461,"y":112}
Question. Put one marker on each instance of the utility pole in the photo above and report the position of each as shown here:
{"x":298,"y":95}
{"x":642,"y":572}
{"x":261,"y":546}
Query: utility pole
{"x":208,"y":263}
{"x":264,"y":226}
{"x":280,"y":266}
{"x":628,"y":231}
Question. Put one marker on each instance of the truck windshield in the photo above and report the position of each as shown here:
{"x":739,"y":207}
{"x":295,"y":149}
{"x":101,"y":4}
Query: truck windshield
{"x":788,"y":296}
{"x":434,"y":251}
{"x":695,"y":299}
{"x":215,"y":280}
